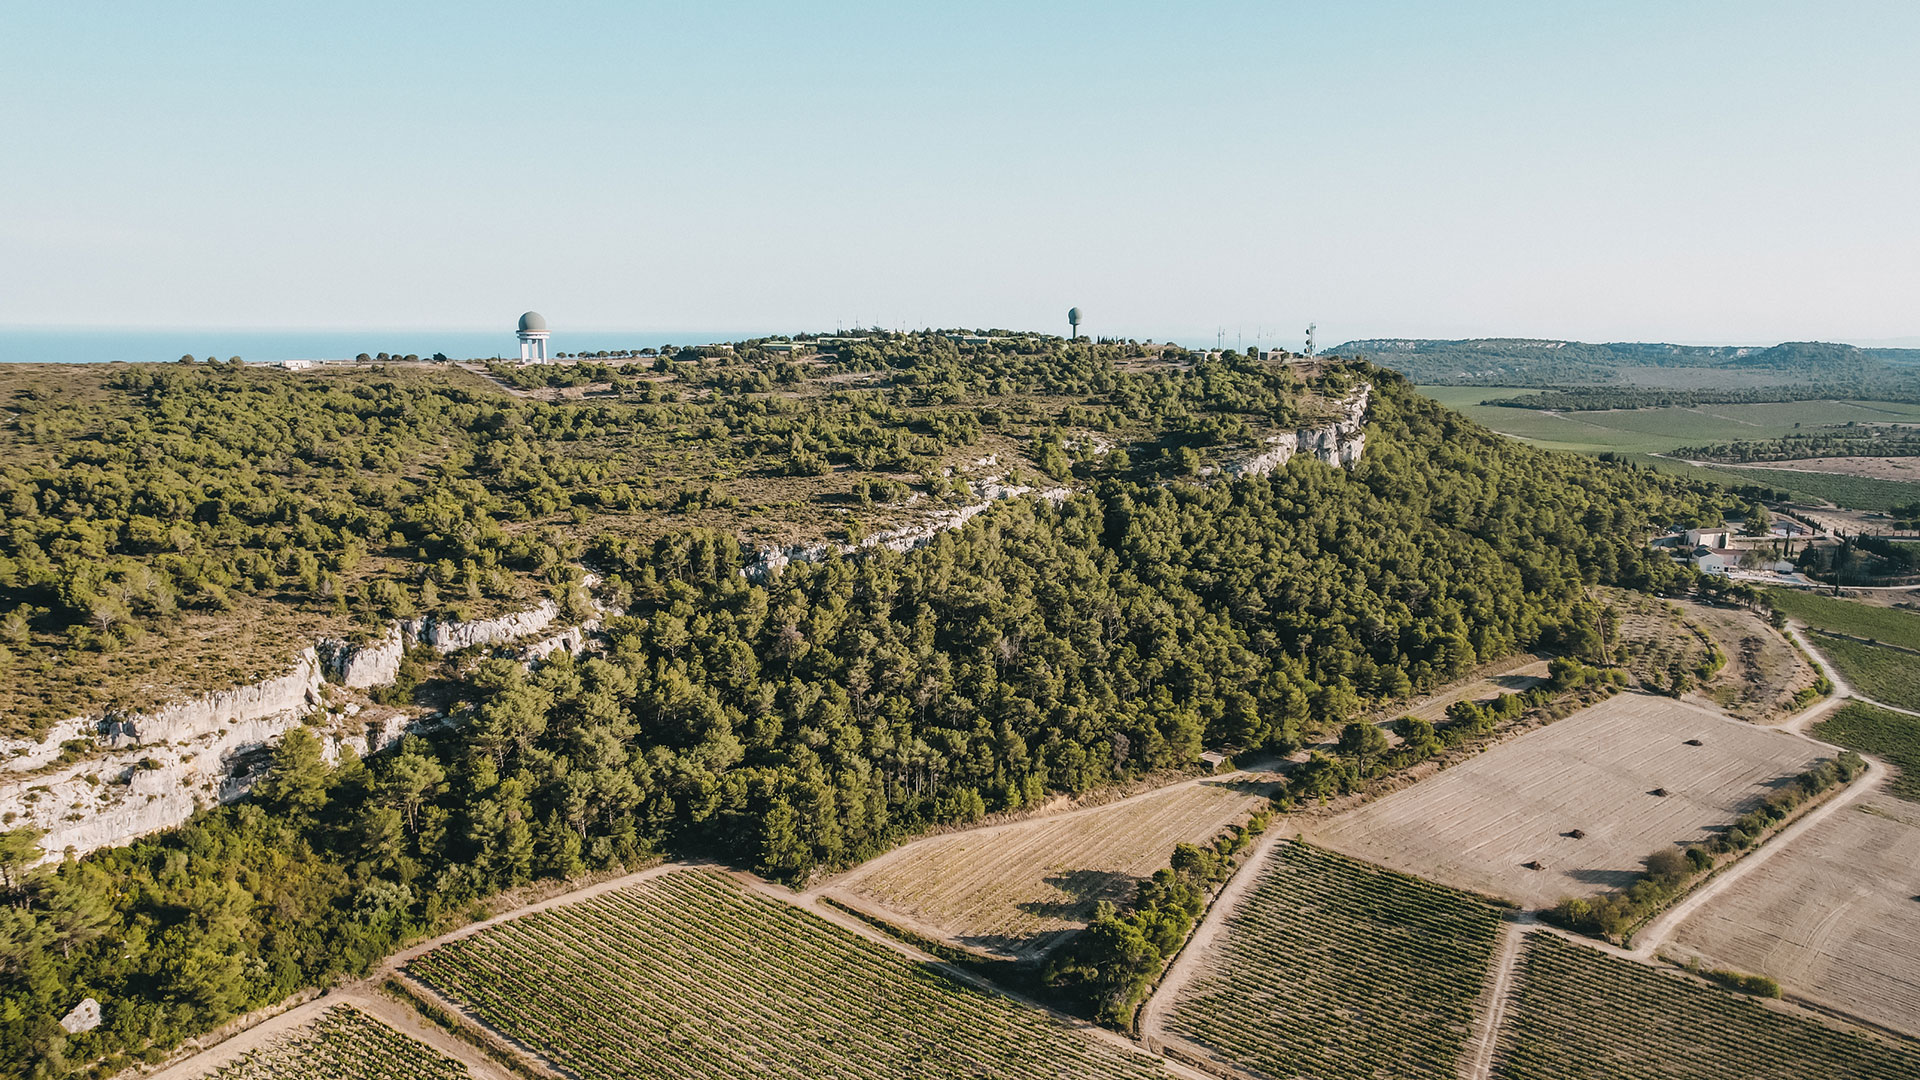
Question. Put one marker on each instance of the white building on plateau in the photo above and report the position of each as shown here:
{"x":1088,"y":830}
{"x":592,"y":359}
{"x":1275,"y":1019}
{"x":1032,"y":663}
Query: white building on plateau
{"x":533,"y":338}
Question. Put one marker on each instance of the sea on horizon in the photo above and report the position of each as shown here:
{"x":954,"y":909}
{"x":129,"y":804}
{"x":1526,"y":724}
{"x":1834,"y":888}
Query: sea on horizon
{"x":30,"y":345}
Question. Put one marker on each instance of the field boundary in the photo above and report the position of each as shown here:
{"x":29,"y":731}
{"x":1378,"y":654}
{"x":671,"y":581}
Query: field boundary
{"x":1491,"y":1018}
{"x":1647,"y":937}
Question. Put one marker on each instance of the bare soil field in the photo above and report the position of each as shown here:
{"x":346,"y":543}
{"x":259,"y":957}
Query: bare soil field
{"x":1476,"y":826}
{"x":1015,"y":890}
{"x":1874,"y":468}
{"x":1835,"y":917}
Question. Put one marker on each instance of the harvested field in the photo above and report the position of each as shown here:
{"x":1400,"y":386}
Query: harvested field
{"x":1477,"y":825}
{"x":1331,"y":968}
{"x":1834,"y":916}
{"x":343,"y":1044}
{"x":1579,"y":1014}
{"x":1015,"y":890}
{"x":690,"y":974}
{"x":1874,"y":468}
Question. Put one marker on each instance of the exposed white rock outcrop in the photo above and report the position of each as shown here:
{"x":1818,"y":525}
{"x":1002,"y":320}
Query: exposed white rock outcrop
{"x":83,"y":1017}
{"x":374,"y":663}
{"x":141,"y":772}
{"x":449,"y":636}
{"x":768,"y":562}
{"x":1338,"y":443}
{"x":158,"y":767}
{"x":572,"y":640}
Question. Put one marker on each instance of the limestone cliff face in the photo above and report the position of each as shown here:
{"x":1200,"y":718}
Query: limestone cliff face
{"x":1338,"y":443}
{"x":770,"y":561}
{"x":376,"y":663}
{"x":447,"y":636}
{"x":139,"y":773}
{"x":158,"y":767}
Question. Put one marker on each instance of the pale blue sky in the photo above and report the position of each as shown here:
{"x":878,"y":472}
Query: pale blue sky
{"x":1741,"y":171}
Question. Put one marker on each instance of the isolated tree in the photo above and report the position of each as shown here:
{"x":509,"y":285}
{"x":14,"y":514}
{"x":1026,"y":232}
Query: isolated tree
{"x":1363,"y":742}
{"x":296,"y":781}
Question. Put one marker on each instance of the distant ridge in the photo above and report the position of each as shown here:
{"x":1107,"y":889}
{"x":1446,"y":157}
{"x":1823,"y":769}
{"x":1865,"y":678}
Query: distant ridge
{"x":1545,"y":360}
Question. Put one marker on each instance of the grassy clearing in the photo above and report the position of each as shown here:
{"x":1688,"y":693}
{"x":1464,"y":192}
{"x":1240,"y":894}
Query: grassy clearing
{"x":344,"y":1044}
{"x":1885,"y":675}
{"x":1332,"y":968}
{"x":690,"y":975}
{"x":1891,"y":625}
{"x":1578,"y":1014}
{"x":1882,"y":733}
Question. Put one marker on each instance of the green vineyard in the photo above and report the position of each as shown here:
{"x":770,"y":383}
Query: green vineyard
{"x":1578,"y":1014}
{"x":690,"y":975}
{"x":344,"y":1044}
{"x":1334,"y":969}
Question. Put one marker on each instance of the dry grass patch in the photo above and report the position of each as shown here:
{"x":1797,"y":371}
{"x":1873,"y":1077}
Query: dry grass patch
{"x":1479,"y":825}
{"x":1834,"y":917}
{"x":1763,"y":671}
{"x":1015,"y":890}
{"x":1521,"y":675}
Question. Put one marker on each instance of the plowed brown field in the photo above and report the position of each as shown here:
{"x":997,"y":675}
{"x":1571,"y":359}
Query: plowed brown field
{"x":1015,"y":889}
{"x":1835,"y":917}
{"x":1476,"y":825}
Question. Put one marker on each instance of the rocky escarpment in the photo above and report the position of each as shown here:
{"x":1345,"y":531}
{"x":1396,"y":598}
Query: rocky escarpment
{"x":1340,"y":442}
{"x":446,"y":635}
{"x":98,"y":781}
{"x":145,"y":771}
{"x":364,"y":665}
{"x":770,"y":561}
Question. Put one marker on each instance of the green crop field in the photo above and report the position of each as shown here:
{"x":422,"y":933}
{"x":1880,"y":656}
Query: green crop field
{"x":1882,"y":733}
{"x":1638,"y":434}
{"x":691,"y":975}
{"x":1655,"y":431}
{"x":1579,"y":1014}
{"x":1891,"y":625}
{"x":344,"y":1044}
{"x":1889,"y":676}
{"x":1333,"y":968}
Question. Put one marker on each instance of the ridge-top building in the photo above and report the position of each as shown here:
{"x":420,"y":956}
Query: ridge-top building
{"x":533,"y":338}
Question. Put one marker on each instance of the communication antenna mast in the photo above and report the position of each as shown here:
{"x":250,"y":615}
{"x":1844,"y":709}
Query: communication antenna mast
{"x":1310,"y":329}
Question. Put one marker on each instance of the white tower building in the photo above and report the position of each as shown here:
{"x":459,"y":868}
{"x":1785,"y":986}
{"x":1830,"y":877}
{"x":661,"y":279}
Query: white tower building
{"x":533,"y":338}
